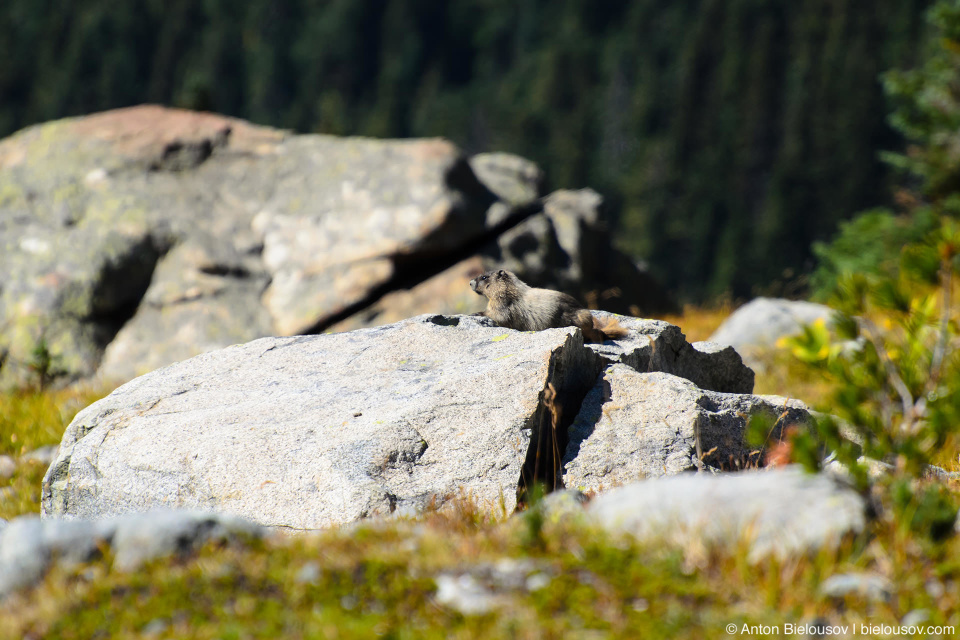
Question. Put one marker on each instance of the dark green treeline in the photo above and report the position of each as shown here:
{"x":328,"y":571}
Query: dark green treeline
{"x":727,"y":135}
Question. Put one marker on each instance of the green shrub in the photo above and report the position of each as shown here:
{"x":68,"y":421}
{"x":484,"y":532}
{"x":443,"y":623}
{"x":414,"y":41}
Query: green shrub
{"x":892,"y":354}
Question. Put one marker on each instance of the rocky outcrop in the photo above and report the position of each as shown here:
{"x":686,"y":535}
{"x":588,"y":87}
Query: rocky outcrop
{"x":636,"y":425}
{"x":567,"y":246}
{"x":89,"y":206}
{"x":139,"y":237}
{"x":312,"y":431}
{"x":654,"y":345}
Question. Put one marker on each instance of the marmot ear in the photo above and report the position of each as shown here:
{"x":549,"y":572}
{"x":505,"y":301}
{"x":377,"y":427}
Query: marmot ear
{"x":502,"y":273}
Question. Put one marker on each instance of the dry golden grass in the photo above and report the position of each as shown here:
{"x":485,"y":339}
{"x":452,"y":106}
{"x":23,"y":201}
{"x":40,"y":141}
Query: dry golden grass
{"x":30,"y":420}
{"x":699,"y":323}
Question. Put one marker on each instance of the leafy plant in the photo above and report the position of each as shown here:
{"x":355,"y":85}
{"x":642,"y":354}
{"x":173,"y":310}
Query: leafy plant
{"x":894,"y":357}
{"x":43,"y":364}
{"x":897,"y":369}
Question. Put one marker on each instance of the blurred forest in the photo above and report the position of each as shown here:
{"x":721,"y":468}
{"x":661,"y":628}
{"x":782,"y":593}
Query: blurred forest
{"x":726,"y":135}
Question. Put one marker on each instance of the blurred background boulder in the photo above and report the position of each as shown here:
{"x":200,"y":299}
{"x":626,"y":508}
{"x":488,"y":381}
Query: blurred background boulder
{"x":142,"y":236}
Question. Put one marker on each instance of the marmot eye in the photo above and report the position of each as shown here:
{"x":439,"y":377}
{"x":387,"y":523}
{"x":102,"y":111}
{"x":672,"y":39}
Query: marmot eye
{"x":483,"y":277}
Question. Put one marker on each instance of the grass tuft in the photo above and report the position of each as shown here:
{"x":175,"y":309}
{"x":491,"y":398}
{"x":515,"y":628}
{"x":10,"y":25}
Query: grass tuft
{"x":30,"y":420}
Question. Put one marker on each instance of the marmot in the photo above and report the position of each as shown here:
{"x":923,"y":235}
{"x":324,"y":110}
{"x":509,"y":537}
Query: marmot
{"x":516,"y":305}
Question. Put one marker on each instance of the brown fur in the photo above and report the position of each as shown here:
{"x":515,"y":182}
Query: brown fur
{"x":514,"y":304}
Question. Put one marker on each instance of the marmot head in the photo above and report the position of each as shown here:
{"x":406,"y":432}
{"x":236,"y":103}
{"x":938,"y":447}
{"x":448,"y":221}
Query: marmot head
{"x":482,"y":283}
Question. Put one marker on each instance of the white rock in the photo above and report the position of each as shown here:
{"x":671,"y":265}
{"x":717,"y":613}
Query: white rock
{"x":777,"y":512}
{"x":763,"y":321}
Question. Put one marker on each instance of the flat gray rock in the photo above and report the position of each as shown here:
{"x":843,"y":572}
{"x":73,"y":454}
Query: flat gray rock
{"x":29,"y":546}
{"x":871,"y":586}
{"x":482,"y":588}
{"x":8,"y":466}
{"x":778,"y":512}
{"x":636,"y":425}
{"x":567,"y":246}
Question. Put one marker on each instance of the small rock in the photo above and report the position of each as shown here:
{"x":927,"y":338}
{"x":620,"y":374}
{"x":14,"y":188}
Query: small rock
{"x":44,"y":455}
{"x":875,"y":468}
{"x":29,"y":545}
{"x":878,"y":468}
{"x":537,"y":581}
{"x":155,"y":627}
{"x":309,"y":573}
{"x":933,"y":472}
{"x":935,"y":588}
{"x":508,"y":573}
{"x":465,"y":594}
{"x":871,"y":586}
{"x":485,"y":587}
{"x":23,"y":558}
{"x":763,"y":321}
{"x":8,"y":466}
{"x":143,"y":537}
{"x":915,"y":618}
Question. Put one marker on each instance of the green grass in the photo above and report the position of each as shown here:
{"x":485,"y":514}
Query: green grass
{"x":378,"y":581}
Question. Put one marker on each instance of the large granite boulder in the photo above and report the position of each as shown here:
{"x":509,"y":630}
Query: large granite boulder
{"x":90,"y":205}
{"x":311,"y":431}
{"x":135,"y":238}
